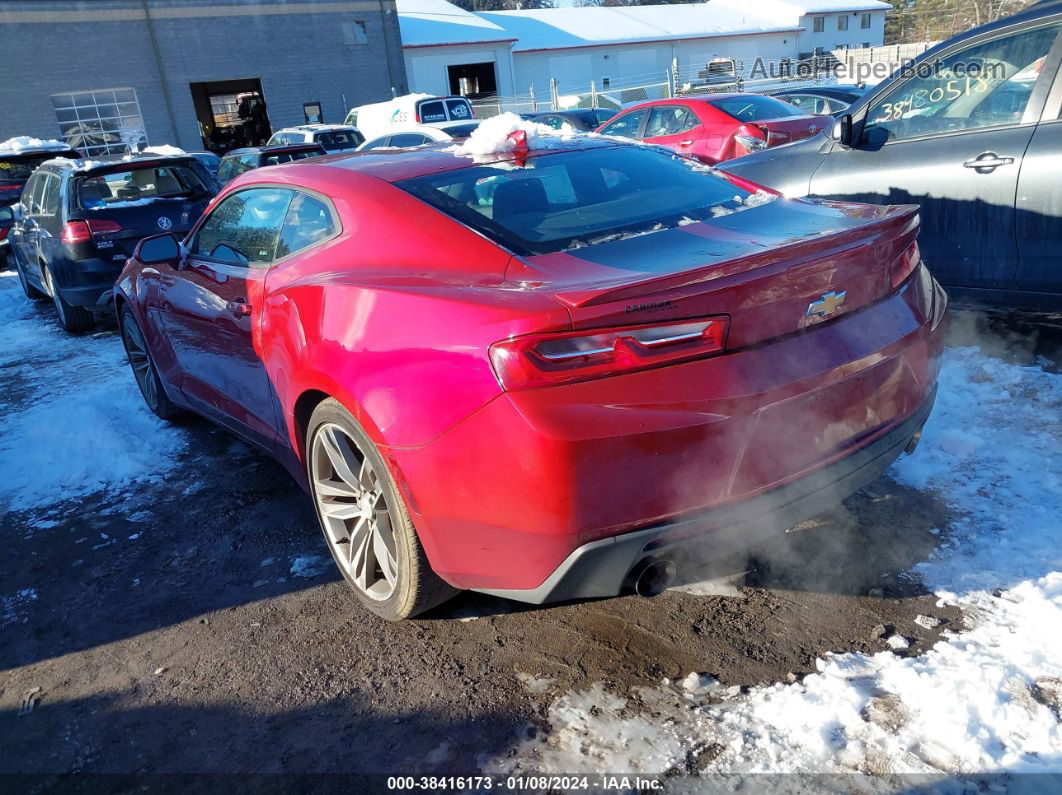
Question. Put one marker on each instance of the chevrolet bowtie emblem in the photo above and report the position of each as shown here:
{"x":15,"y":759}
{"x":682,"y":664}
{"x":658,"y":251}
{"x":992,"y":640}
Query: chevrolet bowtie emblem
{"x":828,"y":304}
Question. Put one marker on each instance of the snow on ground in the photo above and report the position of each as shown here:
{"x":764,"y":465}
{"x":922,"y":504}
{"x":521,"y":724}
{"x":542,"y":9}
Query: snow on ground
{"x":72,"y":420}
{"x":984,"y":700}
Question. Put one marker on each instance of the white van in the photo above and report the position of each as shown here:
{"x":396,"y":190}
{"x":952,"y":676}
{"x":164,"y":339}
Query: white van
{"x":376,"y":119}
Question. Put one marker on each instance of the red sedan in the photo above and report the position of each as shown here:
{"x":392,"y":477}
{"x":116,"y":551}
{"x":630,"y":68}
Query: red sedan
{"x":544,"y":377}
{"x":716,"y":127}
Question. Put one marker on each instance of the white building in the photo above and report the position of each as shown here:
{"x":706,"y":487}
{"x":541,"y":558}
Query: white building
{"x":619,"y":47}
{"x":448,"y":49}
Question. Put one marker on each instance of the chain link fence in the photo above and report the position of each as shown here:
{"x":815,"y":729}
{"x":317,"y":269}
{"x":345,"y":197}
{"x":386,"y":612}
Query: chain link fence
{"x":719,"y":76}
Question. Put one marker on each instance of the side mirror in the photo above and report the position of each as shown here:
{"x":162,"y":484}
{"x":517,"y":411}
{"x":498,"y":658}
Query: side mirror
{"x":158,"y":249}
{"x":16,"y":212}
{"x":842,"y":130}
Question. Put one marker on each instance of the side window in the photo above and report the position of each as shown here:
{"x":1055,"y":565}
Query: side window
{"x":627,"y":125}
{"x":378,"y":143}
{"x":809,"y":102}
{"x":50,"y":197}
{"x":986,"y":85}
{"x":308,"y":221}
{"x":556,"y":122}
{"x":668,"y":120}
{"x":31,"y":194}
{"x":243,"y":229}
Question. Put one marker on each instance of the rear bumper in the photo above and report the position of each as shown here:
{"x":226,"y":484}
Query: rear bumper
{"x":88,"y":283}
{"x":511,"y":497}
{"x":605,"y":567}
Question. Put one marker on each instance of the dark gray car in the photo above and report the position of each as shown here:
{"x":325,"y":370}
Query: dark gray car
{"x":972,"y":131}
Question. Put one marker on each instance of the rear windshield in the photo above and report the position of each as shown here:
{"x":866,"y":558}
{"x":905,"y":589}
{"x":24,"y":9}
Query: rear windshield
{"x":287,"y":157}
{"x":753,"y":107}
{"x":431,"y":112}
{"x":459,"y":109}
{"x":339,"y":139}
{"x":462,"y":130}
{"x":570,"y":199}
{"x":138,"y":186}
{"x":17,"y":170}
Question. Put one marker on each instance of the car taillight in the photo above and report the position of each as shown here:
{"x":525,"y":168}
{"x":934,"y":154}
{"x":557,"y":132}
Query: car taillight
{"x":76,"y":232}
{"x":748,"y":139}
{"x":547,"y":359}
{"x":3,"y":232}
{"x":104,"y":227}
{"x":82,"y":231}
{"x":905,"y":265}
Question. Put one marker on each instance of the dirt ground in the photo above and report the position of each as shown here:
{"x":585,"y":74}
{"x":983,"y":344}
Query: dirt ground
{"x":191,"y":647}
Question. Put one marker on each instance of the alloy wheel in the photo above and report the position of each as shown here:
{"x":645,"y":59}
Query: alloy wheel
{"x":140,"y":361}
{"x":355,"y":515}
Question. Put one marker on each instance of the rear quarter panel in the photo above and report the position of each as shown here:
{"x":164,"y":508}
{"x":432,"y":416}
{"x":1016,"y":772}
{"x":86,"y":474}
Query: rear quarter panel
{"x":394,"y":317}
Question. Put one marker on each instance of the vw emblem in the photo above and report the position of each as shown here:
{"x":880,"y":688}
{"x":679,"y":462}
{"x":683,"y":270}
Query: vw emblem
{"x":826,"y":305}
{"x":164,"y":222}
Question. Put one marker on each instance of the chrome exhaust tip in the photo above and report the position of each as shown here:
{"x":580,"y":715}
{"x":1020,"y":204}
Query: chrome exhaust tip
{"x":653,"y":576}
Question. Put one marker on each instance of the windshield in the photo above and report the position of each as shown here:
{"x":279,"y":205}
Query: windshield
{"x":138,"y":186}
{"x":338,"y":139}
{"x":753,"y":107}
{"x":287,"y":157}
{"x":577,"y":198}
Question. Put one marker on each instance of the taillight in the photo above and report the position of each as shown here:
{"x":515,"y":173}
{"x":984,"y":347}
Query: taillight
{"x":747,"y":138}
{"x":3,"y":232}
{"x":547,"y":359}
{"x":76,"y":232}
{"x":82,"y":231}
{"x":104,"y":227}
{"x":905,"y":265}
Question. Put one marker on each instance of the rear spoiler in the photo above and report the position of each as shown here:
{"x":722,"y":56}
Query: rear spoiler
{"x":897,"y":229}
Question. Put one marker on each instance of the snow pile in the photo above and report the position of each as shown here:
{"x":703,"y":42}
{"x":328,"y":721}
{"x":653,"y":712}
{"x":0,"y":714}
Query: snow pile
{"x":495,"y":136}
{"x":87,"y":428}
{"x":310,"y":566}
{"x":988,"y":699}
{"x":24,"y":143}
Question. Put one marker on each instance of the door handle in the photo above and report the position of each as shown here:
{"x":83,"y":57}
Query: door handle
{"x":239,"y":308}
{"x":686,"y":143}
{"x":987,"y":162}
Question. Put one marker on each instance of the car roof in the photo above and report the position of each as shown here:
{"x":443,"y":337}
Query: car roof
{"x":394,"y":165}
{"x":87,"y":164}
{"x":258,"y":150}
{"x":317,"y":128}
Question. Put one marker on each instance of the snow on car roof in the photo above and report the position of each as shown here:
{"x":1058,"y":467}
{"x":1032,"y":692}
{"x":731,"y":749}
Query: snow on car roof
{"x":426,"y":23}
{"x":85,"y":164}
{"x":25,"y":143}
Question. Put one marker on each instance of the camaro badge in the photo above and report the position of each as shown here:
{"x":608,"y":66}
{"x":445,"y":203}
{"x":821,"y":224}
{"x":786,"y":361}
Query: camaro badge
{"x":828,"y":304}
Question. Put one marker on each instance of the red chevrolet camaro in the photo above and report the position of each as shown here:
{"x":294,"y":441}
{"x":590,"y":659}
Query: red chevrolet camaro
{"x":716,"y":127}
{"x":546,"y":376}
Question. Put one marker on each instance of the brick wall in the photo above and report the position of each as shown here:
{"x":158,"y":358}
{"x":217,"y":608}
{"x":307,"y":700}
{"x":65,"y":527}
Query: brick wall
{"x":301,"y":50}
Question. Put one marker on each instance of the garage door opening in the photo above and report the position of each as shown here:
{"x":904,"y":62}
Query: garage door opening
{"x":473,"y":80}
{"x":231,"y":113}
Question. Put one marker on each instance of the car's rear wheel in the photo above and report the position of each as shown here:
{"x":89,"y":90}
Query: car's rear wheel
{"x":32,"y":293}
{"x":364,"y":519}
{"x":144,"y":370}
{"x":74,"y":319}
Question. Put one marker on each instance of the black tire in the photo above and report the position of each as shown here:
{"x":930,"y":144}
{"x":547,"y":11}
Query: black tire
{"x":417,"y":588}
{"x":32,"y":293}
{"x":144,"y":371}
{"x":73,"y":319}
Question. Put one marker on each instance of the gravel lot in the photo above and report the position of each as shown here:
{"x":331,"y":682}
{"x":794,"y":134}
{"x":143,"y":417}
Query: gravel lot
{"x":186,"y":620}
